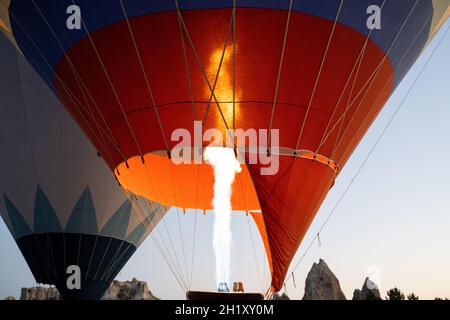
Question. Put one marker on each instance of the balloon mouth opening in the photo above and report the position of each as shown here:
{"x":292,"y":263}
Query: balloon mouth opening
{"x":193,"y":155}
{"x":157,"y":178}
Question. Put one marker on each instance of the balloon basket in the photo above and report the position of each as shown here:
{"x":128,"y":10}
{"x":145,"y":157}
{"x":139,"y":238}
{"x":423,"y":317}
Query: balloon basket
{"x":213,"y":295}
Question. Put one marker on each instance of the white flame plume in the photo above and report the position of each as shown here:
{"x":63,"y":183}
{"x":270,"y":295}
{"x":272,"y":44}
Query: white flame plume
{"x":225,"y":166}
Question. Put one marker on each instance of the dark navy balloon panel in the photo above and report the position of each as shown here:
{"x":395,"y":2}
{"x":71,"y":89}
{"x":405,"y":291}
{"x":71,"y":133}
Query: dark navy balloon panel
{"x":99,"y":258}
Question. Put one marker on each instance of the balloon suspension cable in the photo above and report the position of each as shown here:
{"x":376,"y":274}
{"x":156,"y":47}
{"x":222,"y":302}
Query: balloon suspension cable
{"x":316,"y":83}
{"x":356,"y":67}
{"x":366,"y":86}
{"x":280,"y":67}
{"x":393,"y":116}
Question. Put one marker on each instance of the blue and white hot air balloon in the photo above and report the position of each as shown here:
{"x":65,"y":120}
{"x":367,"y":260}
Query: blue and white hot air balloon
{"x":57,"y":196}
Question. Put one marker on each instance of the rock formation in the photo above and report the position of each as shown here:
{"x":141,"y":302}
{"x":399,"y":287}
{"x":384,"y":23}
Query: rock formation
{"x":369,"y":291}
{"x":282,"y":296}
{"x":39,"y":293}
{"x":322,"y":284}
{"x":127,"y":290}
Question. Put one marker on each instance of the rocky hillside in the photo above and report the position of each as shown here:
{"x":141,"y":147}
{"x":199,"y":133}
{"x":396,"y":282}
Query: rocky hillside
{"x":39,"y":293}
{"x":321,"y":284}
{"x":126,"y":290}
{"x":129,"y":290}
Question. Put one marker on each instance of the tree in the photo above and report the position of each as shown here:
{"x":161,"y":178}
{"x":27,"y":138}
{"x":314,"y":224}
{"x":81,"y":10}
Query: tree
{"x":395,"y":294}
{"x":412,"y":296}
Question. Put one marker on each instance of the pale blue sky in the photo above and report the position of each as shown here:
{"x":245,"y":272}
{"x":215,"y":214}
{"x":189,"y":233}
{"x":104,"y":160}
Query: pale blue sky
{"x":394,"y":219}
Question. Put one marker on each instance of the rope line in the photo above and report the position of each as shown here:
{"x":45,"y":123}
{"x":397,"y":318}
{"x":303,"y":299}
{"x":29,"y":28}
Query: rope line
{"x":108,"y":78}
{"x":254,"y":252}
{"x":197,"y":57}
{"x":234,"y":70}
{"x":280,"y":67}
{"x":80,"y":105}
{"x":216,"y":78}
{"x":372,"y":80}
{"x":356,"y":65}
{"x":370,"y":152}
{"x":117,"y":98}
{"x":71,"y":95}
{"x":65,"y":87}
{"x":147,"y":82}
{"x":373,"y":75}
{"x":188,"y":69}
{"x":311,"y":98}
{"x":72,"y":67}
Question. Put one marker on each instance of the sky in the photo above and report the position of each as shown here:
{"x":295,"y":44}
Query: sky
{"x":393,"y":223}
